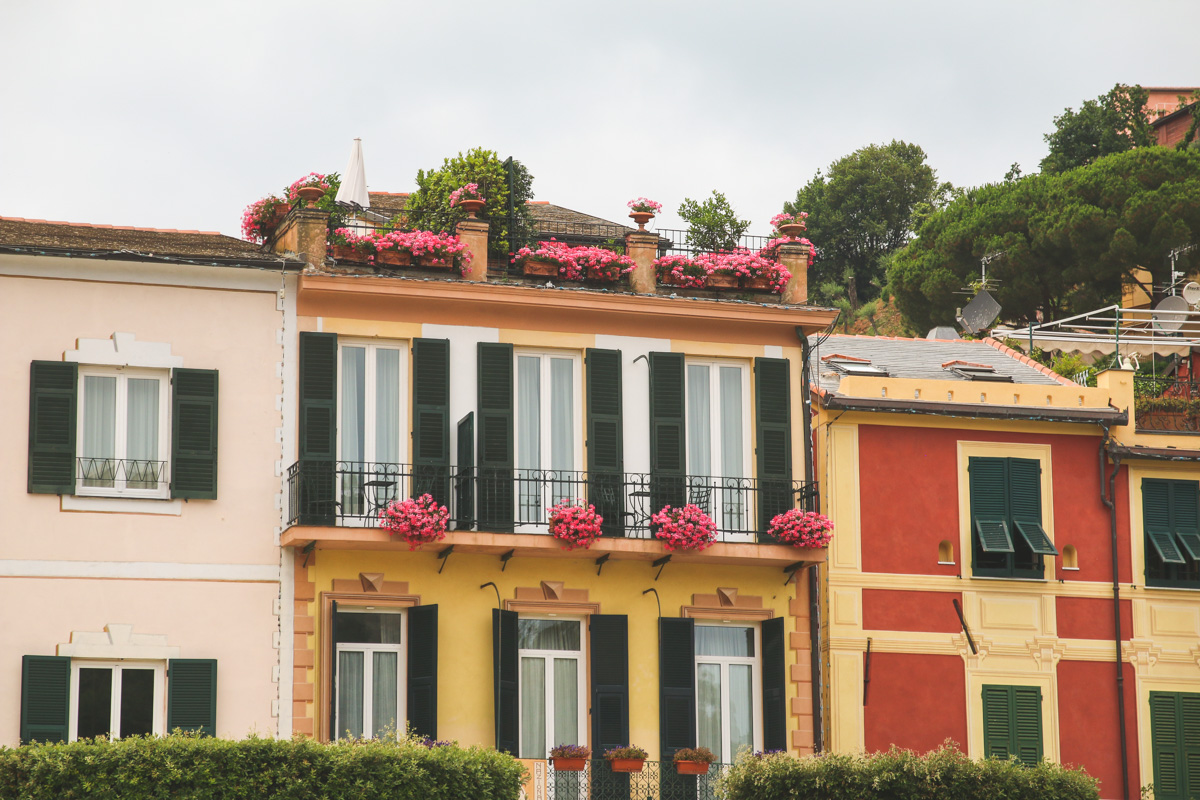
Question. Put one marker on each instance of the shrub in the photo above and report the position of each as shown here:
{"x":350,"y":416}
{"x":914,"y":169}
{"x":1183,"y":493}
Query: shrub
{"x":944,"y":774}
{"x":186,"y":767}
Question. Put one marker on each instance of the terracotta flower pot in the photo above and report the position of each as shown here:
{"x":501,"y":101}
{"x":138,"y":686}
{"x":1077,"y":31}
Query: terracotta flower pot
{"x":433,"y":262}
{"x":691,"y":767}
{"x":722,"y":280}
{"x":793,"y":228}
{"x":310,"y":194}
{"x":601,"y":275}
{"x":569,"y":764}
{"x":346,"y":253}
{"x":472,"y":207}
{"x":537,"y":266}
{"x":394,"y":258}
{"x":761,"y":283}
{"x":641,"y":218}
{"x":627,"y":764}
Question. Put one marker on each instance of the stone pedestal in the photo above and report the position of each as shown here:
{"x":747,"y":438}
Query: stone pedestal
{"x":795,"y":258}
{"x":303,"y":231}
{"x":474,"y":233}
{"x":642,"y":247}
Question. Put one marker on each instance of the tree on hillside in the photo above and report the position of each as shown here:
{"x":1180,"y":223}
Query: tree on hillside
{"x":430,"y":203}
{"x":712,"y":223}
{"x":1112,"y":123}
{"x":864,"y":208}
{"x":1067,"y":241}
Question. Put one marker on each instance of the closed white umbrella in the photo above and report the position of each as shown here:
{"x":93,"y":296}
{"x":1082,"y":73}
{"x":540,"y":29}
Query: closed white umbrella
{"x":353,"y":190}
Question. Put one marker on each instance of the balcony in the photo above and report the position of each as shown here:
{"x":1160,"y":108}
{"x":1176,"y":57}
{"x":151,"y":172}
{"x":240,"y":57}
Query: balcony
{"x":496,"y":510}
{"x":1166,"y":405}
{"x":658,"y":779}
{"x":120,"y":477}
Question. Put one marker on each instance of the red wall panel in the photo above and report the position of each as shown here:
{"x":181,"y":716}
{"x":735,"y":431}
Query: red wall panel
{"x":1091,"y":618}
{"x":888,"y":610}
{"x":1088,"y":722}
{"x":915,"y":702}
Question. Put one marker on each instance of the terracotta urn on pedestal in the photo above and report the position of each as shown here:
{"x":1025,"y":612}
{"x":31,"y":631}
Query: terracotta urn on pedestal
{"x":310,"y":194}
{"x":641,"y":218}
{"x":793,"y":229}
{"x":472,"y":207}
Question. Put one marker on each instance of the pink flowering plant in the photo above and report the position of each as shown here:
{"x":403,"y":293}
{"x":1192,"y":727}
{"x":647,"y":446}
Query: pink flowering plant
{"x":694,"y":272}
{"x":682,"y":271}
{"x":322,"y":182}
{"x":577,"y":263}
{"x":441,"y":249}
{"x":417,"y":521}
{"x":787,"y":219}
{"x":260,"y":217}
{"x":802,"y":528}
{"x":468,"y":192}
{"x":645,"y":206}
{"x":770,"y":251}
{"x":575,"y":524}
{"x":686,"y":528}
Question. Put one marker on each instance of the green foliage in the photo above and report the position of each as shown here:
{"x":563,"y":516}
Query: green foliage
{"x":712,"y":224}
{"x":865,"y":208}
{"x":1112,"y":123}
{"x":944,"y":774}
{"x":184,"y":767}
{"x":1071,"y":364}
{"x":1190,"y":141}
{"x":430,"y":203}
{"x":1068,"y":240}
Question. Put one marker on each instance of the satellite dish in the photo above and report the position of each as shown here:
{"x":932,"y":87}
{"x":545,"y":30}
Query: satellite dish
{"x":1169,"y":315}
{"x":1191,"y":293}
{"x":979,"y":313}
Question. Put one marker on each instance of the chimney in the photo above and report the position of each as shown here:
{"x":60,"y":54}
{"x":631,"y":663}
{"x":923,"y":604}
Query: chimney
{"x":303,"y":230}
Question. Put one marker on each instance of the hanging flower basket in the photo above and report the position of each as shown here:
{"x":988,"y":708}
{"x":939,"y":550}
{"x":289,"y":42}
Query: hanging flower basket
{"x":686,"y":528}
{"x":574,"y":524}
{"x":420,"y":521}
{"x":693,"y":760}
{"x":626,"y":759}
{"x":570,"y":757}
{"x":801,"y":528}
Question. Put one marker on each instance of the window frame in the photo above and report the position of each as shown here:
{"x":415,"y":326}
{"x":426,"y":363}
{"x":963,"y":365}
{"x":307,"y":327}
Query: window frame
{"x":367,"y":648}
{"x":120,"y":435}
{"x":371,"y":346}
{"x":756,"y":691}
{"x":1011,"y":570}
{"x":582,"y":673}
{"x":159,"y":702}
{"x":1152,"y":561}
{"x":740,"y":486}
{"x":545,"y":422}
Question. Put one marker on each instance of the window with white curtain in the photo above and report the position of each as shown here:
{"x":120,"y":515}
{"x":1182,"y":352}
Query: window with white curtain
{"x":548,"y":429}
{"x":123,"y":433}
{"x":728,"y":689}
{"x":370,"y":673}
{"x":116,"y":699}
{"x":371,"y":440}
{"x":551,"y":681}
{"x":718,"y":441}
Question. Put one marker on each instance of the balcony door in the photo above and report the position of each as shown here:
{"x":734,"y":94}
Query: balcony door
{"x":728,"y":689}
{"x":371,"y":451}
{"x":548,"y":428}
{"x":718,"y":445}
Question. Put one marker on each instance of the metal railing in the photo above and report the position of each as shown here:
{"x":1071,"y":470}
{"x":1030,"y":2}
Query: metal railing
{"x":679,"y":243}
{"x":657,"y":779}
{"x":351,"y":493}
{"x":119,"y":473}
{"x":1167,"y":404}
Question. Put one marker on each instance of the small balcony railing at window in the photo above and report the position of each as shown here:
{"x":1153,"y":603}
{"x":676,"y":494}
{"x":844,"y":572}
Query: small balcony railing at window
{"x":657,"y":779}
{"x":119,"y":475}
{"x":350,"y":493}
{"x":1170,"y":405}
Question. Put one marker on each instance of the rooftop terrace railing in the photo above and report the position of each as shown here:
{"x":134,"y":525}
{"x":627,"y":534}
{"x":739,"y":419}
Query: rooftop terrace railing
{"x":1166,"y":404}
{"x":680,"y":243}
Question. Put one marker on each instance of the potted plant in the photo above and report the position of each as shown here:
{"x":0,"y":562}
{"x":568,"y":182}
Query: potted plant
{"x":789,"y":225}
{"x":550,"y":259}
{"x":575,"y":524}
{"x":682,"y":271}
{"x":628,"y":758}
{"x":417,"y":521}
{"x":720,"y":271}
{"x":801,"y":528}
{"x":468,"y":199}
{"x":686,"y":528}
{"x":770,"y":250}
{"x":643,"y":210}
{"x":693,"y":760}
{"x":601,"y":264}
{"x":570,"y":757}
{"x":261,"y":217}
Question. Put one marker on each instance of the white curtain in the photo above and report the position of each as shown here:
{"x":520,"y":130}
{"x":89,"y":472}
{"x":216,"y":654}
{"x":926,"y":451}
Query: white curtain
{"x":708,"y":702}
{"x":566,"y":701}
{"x":548,"y":634}
{"x":387,"y":406}
{"x":699,"y":421}
{"x":733,"y":502}
{"x":350,"y":694}
{"x":724,"y":640}
{"x":533,"y":708}
{"x":353,"y":402}
{"x":383,"y":694}
{"x":529,"y":438}
{"x":141,"y":436}
{"x":562,"y":425}
{"x":741,"y":709}
{"x":99,"y":428}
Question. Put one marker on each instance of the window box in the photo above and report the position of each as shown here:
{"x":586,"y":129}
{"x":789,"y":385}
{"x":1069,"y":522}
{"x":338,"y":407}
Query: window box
{"x":691,"y":767}
{"x":627,"y":764}
{"x":569,"y":764}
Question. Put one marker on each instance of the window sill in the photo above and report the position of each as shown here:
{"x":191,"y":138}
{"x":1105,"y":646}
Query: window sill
{"x":1006,"y":579}
{"x":122,"y":505}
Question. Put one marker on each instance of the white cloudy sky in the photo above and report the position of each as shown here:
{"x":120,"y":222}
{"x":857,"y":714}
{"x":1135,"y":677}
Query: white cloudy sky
{"x":177,"y":115}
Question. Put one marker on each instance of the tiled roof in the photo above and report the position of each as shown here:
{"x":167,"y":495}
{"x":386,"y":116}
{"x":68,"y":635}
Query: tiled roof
{"x":924,"y":359}
{"x":552,"y":219}
{"x":40,"y":233}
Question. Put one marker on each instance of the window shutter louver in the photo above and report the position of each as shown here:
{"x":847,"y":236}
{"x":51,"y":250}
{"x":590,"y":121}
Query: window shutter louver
{"x":494,"y":493}
{"x":773,"y":439}
{"x":1156,"y":516}
{"x":318,"y":427}
{"x":194,"y":394}
{"x":774,"y":683}
{"x":192,"y":695}
{"x":1025,"y":502}
{"x":53,"y":387}
{"x":610,"y":680}
{"x":606,"y":465}
{"x":431,"y":418}
{"x":1189,"y":723}
{"x":997,"y":722}
{"x":422,"y":669}
{"x":1165,"y":745}
{"x":677,"y":684}
{"x":1185,"y":509}
{"x":989,"y":504}
{"x":1027,"y":724}
{"x":45,"y":698}
{"x":505,"y":663}
{"x":464,"y":483}
{"x":668,"y":456}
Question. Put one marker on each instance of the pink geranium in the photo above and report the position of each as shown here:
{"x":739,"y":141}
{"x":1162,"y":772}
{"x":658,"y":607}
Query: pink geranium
{"x":468,"y":192}
{"x":420,"y":521}
{"x":444,"y":249}
{"x":686,"y":528}
{"x":645,"y":205}
{"x":577,"y":263}
{"x":574,"y":524}
{"x":260,"y":217}
{"x":802,"y":528}
{"x":311,"y":179}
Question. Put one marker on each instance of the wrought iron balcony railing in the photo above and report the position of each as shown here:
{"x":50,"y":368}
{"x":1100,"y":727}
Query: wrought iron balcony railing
{"x":1169,"y":405}
{"x":119,"y":474}
{"x":352,"y":493}
{"x":658,"y":780}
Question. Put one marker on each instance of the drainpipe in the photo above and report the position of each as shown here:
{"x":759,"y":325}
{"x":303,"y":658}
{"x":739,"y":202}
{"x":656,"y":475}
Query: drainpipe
{"x":1108,"y":498}
{"x":814,"y":604}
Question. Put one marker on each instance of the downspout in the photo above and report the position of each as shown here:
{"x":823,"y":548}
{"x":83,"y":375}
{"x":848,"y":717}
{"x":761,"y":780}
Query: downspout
{"x":1108,"y":498}
{"x":814,"y":598}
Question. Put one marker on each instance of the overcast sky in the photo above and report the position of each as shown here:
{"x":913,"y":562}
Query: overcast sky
{"x":173,"y":115}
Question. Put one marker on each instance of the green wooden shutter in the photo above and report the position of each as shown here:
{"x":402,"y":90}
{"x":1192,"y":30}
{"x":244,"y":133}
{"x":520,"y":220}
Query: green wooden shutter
{"x":989,"y":504}
{"x":464,"y":481}
{"x":318,"y":427}
{"x":1027,"y":724}
{"x":610,"y":680}
{"x":773,"y":439}
{"x":1189,"y":723}
{"x":505,"y":663}
{"x":997,"y":722}
{"x":1166,"y":747}
{"x":192,"y":695}
{"x":431,"y":418}
{"x":1185,"y":512}
{"x":53,"y":386}
{"x":494,"y":494}
{"x":194,"y":433}
{"x":1156,"y":518}
{"x":45,"y":698}
{"x":1025,"y":504}
{"x":605,"y":457}
{"x":422,"y":669}
{"x":677,"y":684}
{"x":668,"y":433}
{"x":774,"y":683}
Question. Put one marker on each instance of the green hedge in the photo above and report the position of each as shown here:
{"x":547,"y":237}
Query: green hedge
{"x":192,"y":768}
{"x":944,"y":774}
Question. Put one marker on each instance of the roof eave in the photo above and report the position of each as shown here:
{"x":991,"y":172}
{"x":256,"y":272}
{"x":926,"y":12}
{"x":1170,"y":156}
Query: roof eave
{"x":157,"y":258}
{"x":1094,"y":416}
